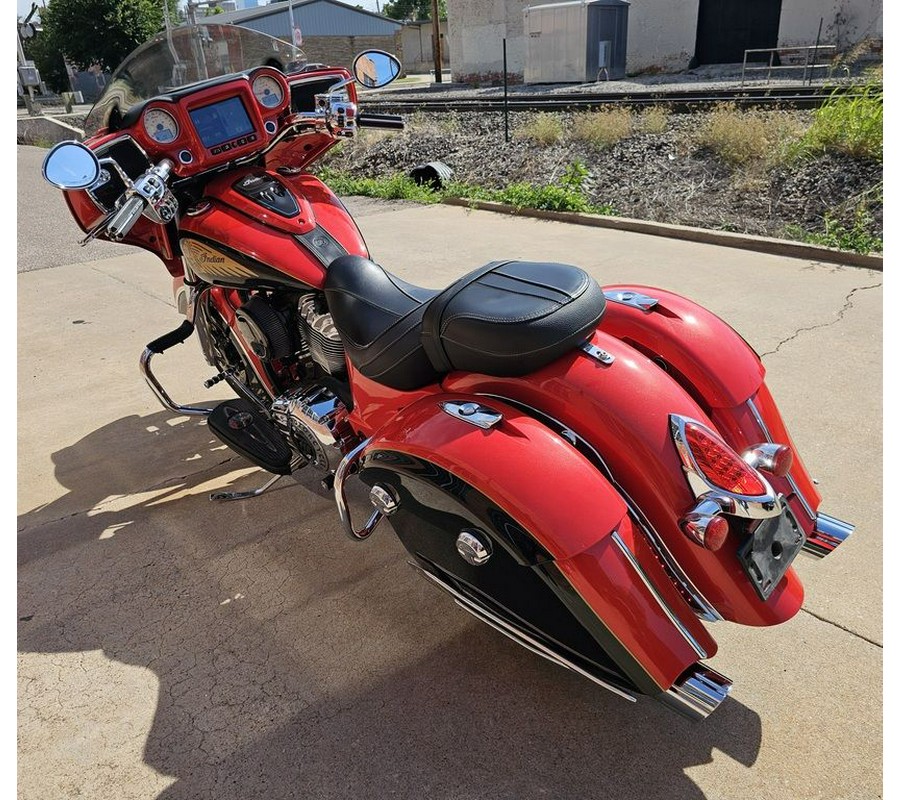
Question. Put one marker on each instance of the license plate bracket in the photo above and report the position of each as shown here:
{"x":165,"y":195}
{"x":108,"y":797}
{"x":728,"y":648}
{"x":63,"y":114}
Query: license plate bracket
{"x":768,"y":552}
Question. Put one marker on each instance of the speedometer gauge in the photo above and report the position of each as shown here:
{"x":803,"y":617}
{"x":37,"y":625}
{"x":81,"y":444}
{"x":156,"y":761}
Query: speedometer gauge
{"x":160,"y":125}
{"x":268,"y":91}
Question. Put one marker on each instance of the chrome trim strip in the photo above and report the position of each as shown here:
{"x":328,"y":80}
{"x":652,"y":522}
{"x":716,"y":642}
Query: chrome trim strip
{"x":699,"y":693}
{"x":632,"y":559}
{"x":340,"y":476}
{"x":157,"y":389}
{"x":700,"y":605}
{"x":747,"y":506}
{"x":765,"y":429}
{"x":829,"y":533}
{"x":519,"y":636}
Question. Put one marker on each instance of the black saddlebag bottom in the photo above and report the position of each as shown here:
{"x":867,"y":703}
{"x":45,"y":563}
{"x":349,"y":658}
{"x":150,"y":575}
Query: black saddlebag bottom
{"x":511,"y":317}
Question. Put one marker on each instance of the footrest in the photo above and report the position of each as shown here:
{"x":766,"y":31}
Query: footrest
{"x":240,"y":425}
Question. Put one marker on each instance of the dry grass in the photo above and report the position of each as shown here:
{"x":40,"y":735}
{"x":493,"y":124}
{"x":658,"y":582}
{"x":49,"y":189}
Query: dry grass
{"x":603,"y":128}
{"x":735,"y":136}
{"x":654,"y":119}
{"x":543,"y":128}
{"x":742,"y":137}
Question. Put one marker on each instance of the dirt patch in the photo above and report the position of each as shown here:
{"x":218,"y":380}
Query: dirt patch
{"x":669,"y":176}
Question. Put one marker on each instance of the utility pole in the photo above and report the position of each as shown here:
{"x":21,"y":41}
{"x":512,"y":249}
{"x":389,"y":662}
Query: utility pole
{"x":436,"y":46}
{"x":29,"y":77}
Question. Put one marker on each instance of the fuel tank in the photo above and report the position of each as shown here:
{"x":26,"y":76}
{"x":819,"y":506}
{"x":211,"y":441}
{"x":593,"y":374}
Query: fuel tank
{"x":265,"y":229}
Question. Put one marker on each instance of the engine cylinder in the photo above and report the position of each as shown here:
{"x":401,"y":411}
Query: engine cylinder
{"x":318,"y":328}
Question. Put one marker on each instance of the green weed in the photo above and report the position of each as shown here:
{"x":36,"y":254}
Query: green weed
{"x":848,"y":123}
{"x":566,"y":194}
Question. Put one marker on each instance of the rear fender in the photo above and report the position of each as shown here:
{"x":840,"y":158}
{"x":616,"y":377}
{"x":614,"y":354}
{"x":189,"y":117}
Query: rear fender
{"x":622,"y":411}
{"x":564,"y":521}
{"x":720,"y":371}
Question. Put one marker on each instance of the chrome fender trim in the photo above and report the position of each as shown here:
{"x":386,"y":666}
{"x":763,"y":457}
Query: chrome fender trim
{"x":518,"y":635}
{"x":701,"y":607}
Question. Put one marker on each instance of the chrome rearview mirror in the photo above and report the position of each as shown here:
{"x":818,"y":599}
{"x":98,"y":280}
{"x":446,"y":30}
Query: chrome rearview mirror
{"x":71,"y":165}
{"x":375,"y":68}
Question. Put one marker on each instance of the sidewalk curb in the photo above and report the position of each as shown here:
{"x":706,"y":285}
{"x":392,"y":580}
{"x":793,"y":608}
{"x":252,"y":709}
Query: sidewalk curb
{"x":759,"y":244}
{"x":32,"y":130}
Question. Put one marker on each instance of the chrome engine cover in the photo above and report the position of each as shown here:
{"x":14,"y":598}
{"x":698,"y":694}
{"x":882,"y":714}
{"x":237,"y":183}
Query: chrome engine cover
{"x":308,"y":417}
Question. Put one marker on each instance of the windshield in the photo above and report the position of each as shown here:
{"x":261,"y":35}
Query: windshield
{"x":182,"y":56}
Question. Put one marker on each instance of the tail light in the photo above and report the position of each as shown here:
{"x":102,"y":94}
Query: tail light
{"x":705,"y":453}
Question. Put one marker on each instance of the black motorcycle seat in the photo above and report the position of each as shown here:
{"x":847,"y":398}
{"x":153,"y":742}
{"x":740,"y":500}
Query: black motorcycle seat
{"x":507,"y":318}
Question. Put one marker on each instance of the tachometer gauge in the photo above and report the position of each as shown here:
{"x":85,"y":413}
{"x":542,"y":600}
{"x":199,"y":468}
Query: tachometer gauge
{"x":268,"y":91}
{"x":160,"y":125}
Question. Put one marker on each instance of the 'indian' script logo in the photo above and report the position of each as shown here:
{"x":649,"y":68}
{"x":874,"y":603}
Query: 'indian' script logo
{"x":210,"y":263}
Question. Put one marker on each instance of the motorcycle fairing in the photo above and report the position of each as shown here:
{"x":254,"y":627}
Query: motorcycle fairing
{"x":622,"y":410}
{"x":294,"y":251}
{"x":433,"y":461}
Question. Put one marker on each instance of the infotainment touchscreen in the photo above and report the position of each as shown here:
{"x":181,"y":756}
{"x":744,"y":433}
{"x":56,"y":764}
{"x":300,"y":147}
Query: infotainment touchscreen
{"x":221,"y":122}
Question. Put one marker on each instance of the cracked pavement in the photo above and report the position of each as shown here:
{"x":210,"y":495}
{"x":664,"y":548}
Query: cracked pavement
{"x":169,"y":647}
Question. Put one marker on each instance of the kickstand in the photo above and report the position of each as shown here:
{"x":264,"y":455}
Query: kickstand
{"x":244,"y":495}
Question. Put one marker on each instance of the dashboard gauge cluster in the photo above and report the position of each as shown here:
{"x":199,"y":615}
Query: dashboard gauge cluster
{"x":160,"y":126}
{"x":206,"y":125}
{"x":268,"y":91}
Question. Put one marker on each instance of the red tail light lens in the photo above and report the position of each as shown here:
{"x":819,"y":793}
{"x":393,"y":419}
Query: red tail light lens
{"x":782,"y":461}
{"x":716,"y":533}
{"x":720,"y":465}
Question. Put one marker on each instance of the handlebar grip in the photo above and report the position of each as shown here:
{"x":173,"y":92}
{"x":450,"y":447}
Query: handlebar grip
{"x":125,"y":218}
{"x":389,"y":121}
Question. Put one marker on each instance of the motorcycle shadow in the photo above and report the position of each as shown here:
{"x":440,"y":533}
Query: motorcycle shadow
{"x":292,"y":662}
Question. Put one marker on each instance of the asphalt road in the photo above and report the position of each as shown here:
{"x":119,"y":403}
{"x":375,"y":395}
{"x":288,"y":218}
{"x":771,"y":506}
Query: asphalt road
{"x":171,"y":647}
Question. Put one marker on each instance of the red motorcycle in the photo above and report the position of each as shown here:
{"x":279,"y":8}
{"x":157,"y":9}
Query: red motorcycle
{"x":677,"y":495}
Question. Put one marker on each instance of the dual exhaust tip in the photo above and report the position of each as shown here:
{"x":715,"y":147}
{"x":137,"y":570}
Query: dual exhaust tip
{"x":828,"y":534}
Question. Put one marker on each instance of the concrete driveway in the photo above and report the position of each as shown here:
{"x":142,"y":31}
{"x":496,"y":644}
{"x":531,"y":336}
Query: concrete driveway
{"x":171,"y":647}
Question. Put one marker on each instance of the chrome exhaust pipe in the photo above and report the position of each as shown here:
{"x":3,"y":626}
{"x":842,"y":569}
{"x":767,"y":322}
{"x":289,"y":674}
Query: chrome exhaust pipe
{"x":698,"y":692}
{"x":828,"y":534}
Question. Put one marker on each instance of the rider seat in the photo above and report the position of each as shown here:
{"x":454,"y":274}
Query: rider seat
{"x":507,"y":318}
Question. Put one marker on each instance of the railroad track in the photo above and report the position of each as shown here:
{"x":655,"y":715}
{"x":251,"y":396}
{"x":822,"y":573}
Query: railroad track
{"x":796,"y":97}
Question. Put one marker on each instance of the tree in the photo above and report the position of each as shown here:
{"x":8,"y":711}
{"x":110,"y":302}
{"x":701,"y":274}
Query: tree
{"x":413,"y":9}
{"x":101,"y":32}
{"x":48,"y":60}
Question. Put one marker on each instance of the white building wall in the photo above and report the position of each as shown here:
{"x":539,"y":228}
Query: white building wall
{"x":661,"y":34}
{"x":845,"y":22}
{"x":477,"y":29}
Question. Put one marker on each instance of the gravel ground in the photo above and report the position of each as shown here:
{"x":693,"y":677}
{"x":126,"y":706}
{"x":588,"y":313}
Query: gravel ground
{"x":667,"y":177}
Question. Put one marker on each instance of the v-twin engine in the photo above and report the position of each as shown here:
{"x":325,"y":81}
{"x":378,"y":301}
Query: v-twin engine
{"x":311,"y":420}
{"x":319,"y":331}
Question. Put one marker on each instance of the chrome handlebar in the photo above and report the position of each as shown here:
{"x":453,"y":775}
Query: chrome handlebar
{"x":148,"y":195}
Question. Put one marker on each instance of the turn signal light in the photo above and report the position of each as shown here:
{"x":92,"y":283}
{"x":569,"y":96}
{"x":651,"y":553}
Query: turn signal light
{"x":776,"y":459}
{"x":706,"y":526}
{"x":720,"y":465}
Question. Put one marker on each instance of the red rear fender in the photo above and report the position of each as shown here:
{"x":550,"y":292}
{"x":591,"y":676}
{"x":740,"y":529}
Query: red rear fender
{"x":622,"y":410}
